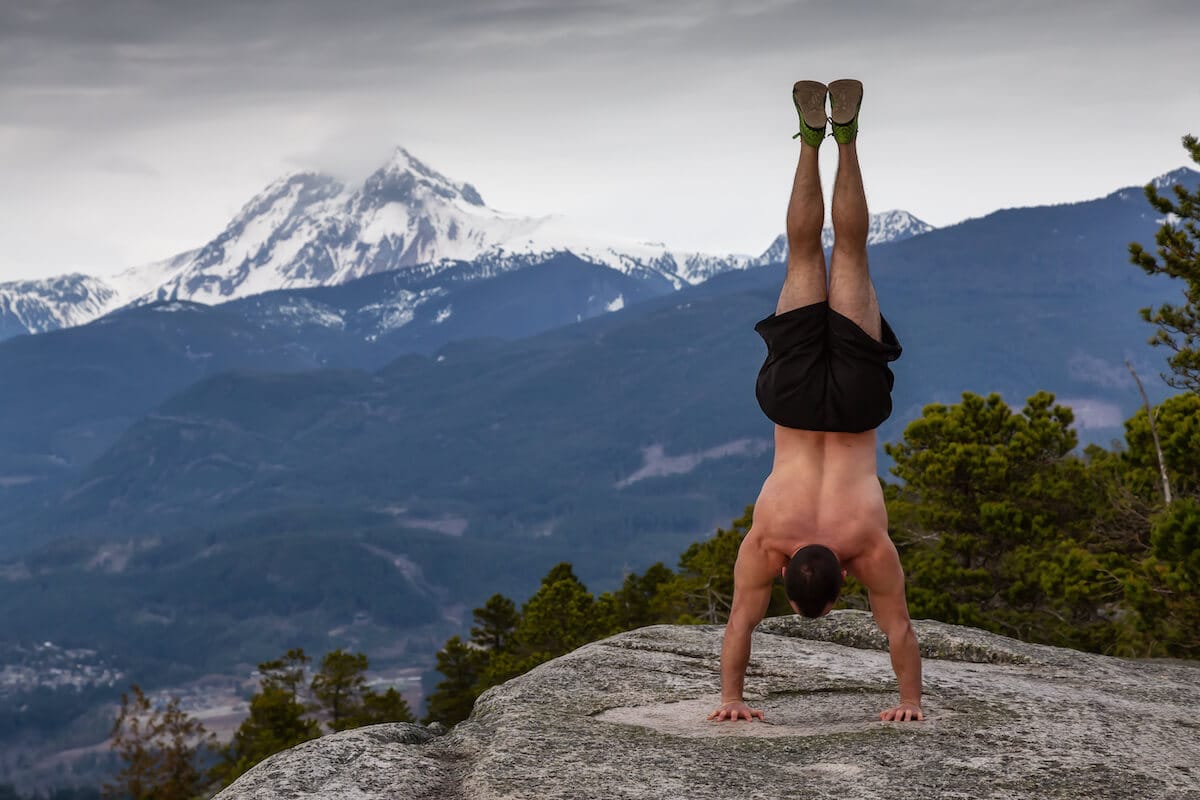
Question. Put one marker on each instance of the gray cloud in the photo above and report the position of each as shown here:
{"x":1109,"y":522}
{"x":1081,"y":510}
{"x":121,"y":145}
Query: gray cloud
{"x":1099,"y":372}
{"x":1092,"y":413}
{"x":639,"y":117}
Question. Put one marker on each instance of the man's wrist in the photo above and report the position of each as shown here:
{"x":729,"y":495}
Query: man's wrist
{"x":739,"y":699}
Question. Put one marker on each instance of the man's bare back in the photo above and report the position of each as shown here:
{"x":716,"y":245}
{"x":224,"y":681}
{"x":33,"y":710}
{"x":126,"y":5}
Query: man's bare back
{"x":823,"y":489}
{"x":826,"y":385}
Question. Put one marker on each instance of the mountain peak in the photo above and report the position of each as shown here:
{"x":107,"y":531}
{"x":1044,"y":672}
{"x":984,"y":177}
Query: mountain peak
{"x":893,"y":225}
{"x":404,"y":171}
{"x":403,"y":161}
{"x":1185,"y":176}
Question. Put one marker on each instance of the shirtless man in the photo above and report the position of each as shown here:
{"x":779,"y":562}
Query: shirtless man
{"x":827,"y":386}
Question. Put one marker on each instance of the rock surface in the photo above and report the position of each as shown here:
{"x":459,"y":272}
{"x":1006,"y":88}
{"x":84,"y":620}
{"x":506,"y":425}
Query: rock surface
{"x":625,"y":718}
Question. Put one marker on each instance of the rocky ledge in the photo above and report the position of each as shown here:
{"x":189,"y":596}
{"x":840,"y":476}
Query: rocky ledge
{"x":625,"y":718}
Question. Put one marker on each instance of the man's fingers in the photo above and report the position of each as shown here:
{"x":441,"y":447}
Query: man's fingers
{"x":736,"y":714}
{"x":902,"y":714}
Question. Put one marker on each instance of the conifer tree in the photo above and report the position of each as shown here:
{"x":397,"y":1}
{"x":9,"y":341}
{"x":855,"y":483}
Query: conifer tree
{"x":1178,"y":256}
{"x":160,"y":751}
{"x":1161,"y":568}
{"x":994,"y":521}
{"x":387,"y":707}
{"x":286,"y":672}
{"x":461,"y":664}
{"x":495,"y":622}
{"x":559,"y":617}
{"x":132,"y":740}
{"x":277,"y":718}
{"x":646,"y":599}
{"x":338,"y":687}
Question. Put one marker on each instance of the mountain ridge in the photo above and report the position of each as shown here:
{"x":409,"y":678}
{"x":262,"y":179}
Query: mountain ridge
{"x":310,"y":229}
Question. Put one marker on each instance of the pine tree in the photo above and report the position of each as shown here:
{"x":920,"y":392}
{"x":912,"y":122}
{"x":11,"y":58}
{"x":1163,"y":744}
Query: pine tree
{"x":285,"y":672}
{"x":387,"y":707}
{"x":559,"y":617}
{"x":994,"y":522}
{"x":1178,"y":422}
{"x":462,"y":665}
{"x":1163,"y":589}
{"x":1160,"y":566}
{"x":646,"y":599}
{"x":183,"y":741}
{"x":1178,"y":243}
{"x":495,"y":623}
{"x":277,"y":718}
{"x":339,"y":686}
{"x":132,"y":740}
{"x":160,"y":751}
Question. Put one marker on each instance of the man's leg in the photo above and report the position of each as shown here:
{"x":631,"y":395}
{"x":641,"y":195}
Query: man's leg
{"x":805,"y":281}
{"x":851,"y":293}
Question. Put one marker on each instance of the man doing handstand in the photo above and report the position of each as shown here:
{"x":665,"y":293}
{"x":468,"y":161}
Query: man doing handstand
{"x":826,"y":385}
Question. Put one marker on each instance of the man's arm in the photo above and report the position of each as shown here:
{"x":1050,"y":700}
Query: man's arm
{"x":752,"y":578}
{"x":884,"y":578}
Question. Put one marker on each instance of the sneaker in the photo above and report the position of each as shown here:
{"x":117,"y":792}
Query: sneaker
{"x":845,"y":98}
{"x":809,"y":99}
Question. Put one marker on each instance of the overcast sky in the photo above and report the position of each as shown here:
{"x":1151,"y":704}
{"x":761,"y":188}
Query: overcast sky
{"x":131,"y":130}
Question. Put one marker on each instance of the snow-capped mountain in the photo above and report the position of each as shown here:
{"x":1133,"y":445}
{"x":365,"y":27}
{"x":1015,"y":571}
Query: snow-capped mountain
{"x":64,"y":301}
{"x":309,"y":229}
{"x":1184,"y":176}
{"x":36,"y":306}
{"x":890,"y":226}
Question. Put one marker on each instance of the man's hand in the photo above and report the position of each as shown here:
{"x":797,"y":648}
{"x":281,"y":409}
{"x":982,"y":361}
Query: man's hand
{"x":905,"y":712}
{"x":736,"y":709}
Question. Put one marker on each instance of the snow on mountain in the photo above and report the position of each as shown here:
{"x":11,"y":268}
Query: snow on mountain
{"x":309,"y":229}
{"x":36,"y":306}
{"x":890,"y":226}
{"x":1184,"y":176}
{"x":140,"y":280}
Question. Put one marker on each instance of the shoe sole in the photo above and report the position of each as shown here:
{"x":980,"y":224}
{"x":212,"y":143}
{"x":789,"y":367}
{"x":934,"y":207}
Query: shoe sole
{"x":845,"y":97}
{"x":809,"y":97}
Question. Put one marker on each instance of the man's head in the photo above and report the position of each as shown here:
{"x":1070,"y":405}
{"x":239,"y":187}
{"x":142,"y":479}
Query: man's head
{"x":813,"y":579}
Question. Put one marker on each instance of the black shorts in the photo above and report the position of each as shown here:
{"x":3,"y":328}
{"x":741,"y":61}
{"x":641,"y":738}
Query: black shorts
{"x":823,"y":372}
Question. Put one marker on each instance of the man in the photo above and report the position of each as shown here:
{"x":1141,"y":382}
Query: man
{"x":827,"y":386}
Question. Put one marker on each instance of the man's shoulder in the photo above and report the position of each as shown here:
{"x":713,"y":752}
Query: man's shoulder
{"x":877,"y":564}
{"x":760,"y":551}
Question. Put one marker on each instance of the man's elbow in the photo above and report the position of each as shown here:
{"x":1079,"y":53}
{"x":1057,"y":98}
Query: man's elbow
{"x":741,"y":623}
{"x":901,"y":635}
